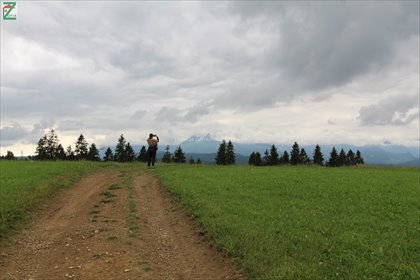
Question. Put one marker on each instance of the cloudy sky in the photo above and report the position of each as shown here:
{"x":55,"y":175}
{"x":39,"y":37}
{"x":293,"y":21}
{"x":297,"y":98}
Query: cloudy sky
{"x":275,"y":72}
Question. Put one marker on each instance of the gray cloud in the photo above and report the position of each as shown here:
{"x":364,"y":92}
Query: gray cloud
{"x":392,"y":111}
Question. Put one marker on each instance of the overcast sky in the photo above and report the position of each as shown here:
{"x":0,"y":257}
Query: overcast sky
{"x":275,"y":72}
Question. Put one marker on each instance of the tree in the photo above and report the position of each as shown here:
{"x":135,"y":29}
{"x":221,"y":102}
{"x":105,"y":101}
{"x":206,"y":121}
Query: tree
{"x":359,"y":160}
{"x":258,"y":160}
{"x":61,"y":154}
{"x":179,"y":155}
{"x":167,"y":156}
{"x":191,"y":161}
{"x":266,"y":158}
{"x":285,"y":158}
{"x":294,"y":154}
{"x":51,"y":145}
{"x":41,"y":149}
{"x":198,"y":161}
{"x":251,"y":160}
{"x":142,"y":155}
{"x":303,"y":157}
{"x":342,"y":158}
{"x":274,"y":156}
{"x":93,"y":153}
{"x":109,"y":156}
{"x":129,"y":154}
{"x":230,"y":156}
{"x":81,"y":149}
{"x":70,"y":153}
{"x":318,"y":156}
{"x":10,"y":156}
{"x":333,"y":161}
{"x":119,"y":154}
{"x":350,"y":159}
{"x":221,"y":154}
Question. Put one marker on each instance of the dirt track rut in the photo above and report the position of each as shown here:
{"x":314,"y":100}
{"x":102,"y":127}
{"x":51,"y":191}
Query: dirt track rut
{"x":102,"y":228}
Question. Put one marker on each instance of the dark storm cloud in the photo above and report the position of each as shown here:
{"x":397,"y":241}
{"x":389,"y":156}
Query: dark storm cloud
{"x":398,"y":110}
{"x":324,"y":44}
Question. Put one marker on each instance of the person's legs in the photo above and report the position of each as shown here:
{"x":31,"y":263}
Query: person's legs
{"x":149,"y":157}
{"x":153,"y":158}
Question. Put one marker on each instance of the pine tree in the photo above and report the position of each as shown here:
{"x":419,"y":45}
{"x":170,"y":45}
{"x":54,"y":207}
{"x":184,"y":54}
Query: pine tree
{"x":81,"y":148}
{"x":119,"y":154}
{"x":41,"y":149}
{"x":221,"y":154}
{"x":359,"y":159}
{"x":294,"y":154}
{"x":350,"y":159}
{"x":142,"y":155}
{"x":342,"y":158}
{"x":318,"y":156}
{"x":333,"y":161}
{"x":61,"y":154}
{"x":93,"y":153}
{"x":198,"y":161}
{"x":266,"y":158}
{"x":109,"y":156}
{"x":69,"y":153}
{"x":230,"y":156}
{"x":167,"y":156}
{"x":179,"y":155}
{"x":274,"y":156}
{"x":285,"y":158}
{"x":191,"y":161}
{"x":251,"y":160}
{"x":52,"y":144}
{"x":129,"y":155}
{"x":303,"y":157}
{"x":258,"y":160}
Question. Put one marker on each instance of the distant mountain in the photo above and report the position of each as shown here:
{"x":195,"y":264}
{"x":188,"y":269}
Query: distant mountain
{"x":205,"y":148}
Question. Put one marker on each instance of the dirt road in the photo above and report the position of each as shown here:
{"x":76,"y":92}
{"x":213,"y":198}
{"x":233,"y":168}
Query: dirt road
{"x":108,"y":226}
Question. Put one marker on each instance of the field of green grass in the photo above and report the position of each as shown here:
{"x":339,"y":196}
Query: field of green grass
{"x":307,"y":222}
{"x":24,"y":186}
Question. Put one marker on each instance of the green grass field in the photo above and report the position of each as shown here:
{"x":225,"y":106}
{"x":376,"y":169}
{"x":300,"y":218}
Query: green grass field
{"x":24,"y":185}
{"x":307,"y":222}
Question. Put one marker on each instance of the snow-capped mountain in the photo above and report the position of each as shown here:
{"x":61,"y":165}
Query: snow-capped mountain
{"x":198,"y":139}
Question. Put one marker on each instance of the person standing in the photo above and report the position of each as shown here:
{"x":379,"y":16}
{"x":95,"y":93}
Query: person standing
{"x":152,"y":141}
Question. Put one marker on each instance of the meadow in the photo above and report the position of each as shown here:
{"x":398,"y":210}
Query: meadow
{"x":307,"y":222}
{"x":25,"y":185}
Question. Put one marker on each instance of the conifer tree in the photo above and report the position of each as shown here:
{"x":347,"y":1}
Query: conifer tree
{"x":294,"y":154}
{"x":285,"y":158}
{"x":93,"y":153}
{"x":61,"y":154}
{"x":230,"y":156}
{"x":341,"y":158}
{"x":333,"y":161}
{"x":81,"y":148}
{"x":179,"y":155}
{"x":129,"y":155}
{"x":318,"y":156}
{"x":258,"y":160}
{"x":303,"y":157}
{"x":52,"y":145}
{"x":69,"y":153}
{"x":109,"y":156}
{"x":359,"y":159}
{"x":251,"y":160}
{"x":350,"y":159}
{"x":198,"y":161}
{"x":266,"y":158}
{"x":142,"y":155}
{"x":167,"y":156}
{"x":274,"y":156}
{"x":191,"y":161}
{"x":119,"y":154}
{"x":41,"y":149}
{"x":221,"y":154}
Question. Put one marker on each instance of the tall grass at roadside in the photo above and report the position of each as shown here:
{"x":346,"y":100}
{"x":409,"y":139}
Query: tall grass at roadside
{"x":307,"y":222}
{"x":24,"y":185}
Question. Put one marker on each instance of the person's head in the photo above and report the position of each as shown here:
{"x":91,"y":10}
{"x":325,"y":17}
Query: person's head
{"x":151,"y":135}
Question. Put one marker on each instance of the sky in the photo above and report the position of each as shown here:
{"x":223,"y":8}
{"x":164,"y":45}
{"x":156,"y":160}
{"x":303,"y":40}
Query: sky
{"x":251,"y":72}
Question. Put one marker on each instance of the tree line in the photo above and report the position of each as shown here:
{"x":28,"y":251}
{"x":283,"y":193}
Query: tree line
{"x":298,"y":156}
